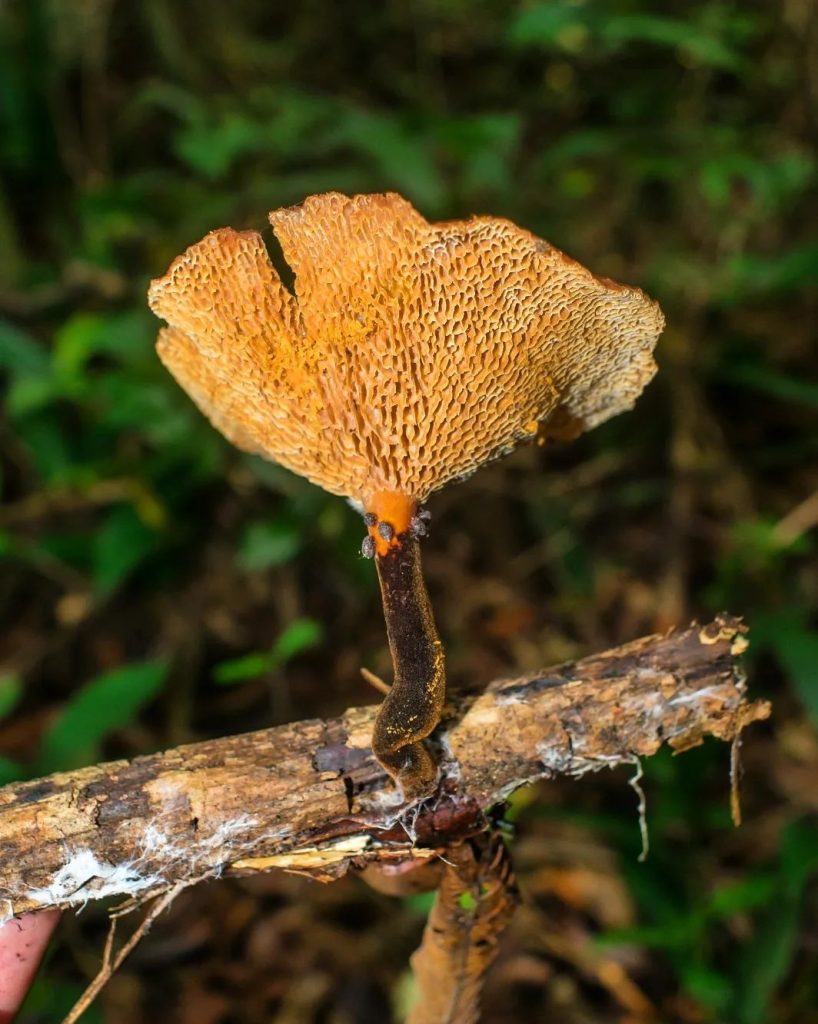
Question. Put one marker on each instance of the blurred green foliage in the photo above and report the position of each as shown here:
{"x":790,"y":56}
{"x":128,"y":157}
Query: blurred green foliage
{"x":301,"y":635}
{"x":94,"y":711}
{"x":670,"y":145}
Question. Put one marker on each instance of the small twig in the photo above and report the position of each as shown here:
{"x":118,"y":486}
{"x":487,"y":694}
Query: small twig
{"x":374,"y":681}
{"x":111,"y":966}
{"x":65,"y":500}
{"x":797,"y":521}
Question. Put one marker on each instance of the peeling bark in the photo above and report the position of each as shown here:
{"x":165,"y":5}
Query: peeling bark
{"x":309,"y":797}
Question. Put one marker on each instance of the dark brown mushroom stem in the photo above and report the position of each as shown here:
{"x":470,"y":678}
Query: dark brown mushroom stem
{"x":414,"y":704}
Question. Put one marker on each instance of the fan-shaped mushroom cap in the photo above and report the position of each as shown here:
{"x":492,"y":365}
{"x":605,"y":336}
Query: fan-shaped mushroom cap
{"x":410,"y":353}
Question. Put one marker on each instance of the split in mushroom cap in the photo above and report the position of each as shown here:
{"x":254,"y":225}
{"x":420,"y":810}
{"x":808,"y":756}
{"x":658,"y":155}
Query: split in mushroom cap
{"x":410,"y":353}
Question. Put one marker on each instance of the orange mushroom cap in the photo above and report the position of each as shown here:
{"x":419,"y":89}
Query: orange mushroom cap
{"x":410,"y":353}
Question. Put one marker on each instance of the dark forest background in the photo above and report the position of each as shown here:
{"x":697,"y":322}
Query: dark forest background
{"x":158,"y":586}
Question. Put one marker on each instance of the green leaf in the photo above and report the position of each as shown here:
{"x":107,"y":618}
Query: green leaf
{"x":566,"y":24}
{"x":484,"y":146}
{"x":119,"y":546}
{"x":699,"y":42}
{"x":75,"y":341}
{"x":795,"y":645}
{"x":20,"y":355}
{"x":707,"y":986}
{"x":400,"y":152}
{"x":466,"y":901}
{"x":546,"y":23}
{"x":128,"y":336}
{"x":420,"y":903}
{"x":750,"y":276}
{"x":11,"y":771}
{"x":750,"y":892}
{"x":299,"y":636}
{"x":46,"y":439}
{"x":265,"y":545}
{"x":237,"y":670}
{"x":29,"y":369}
{"x":29,"y":394}
{"x":100,"y":707}
{"x":779,"y":385}
{"x":153,"y":408}
{"x":211,"y":147}
{"x":766,"y":959}
{"x":49,"y":999}
{"x":11,"y":690}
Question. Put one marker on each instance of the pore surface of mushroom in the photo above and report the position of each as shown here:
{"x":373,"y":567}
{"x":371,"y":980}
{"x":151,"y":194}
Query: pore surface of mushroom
{"x":410,"y":354}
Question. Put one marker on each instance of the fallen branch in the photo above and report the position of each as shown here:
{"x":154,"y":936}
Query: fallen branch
{"x":310,"y":798}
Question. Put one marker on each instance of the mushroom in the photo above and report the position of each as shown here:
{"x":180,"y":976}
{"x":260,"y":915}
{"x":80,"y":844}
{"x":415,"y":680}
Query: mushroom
{"x":409,"y":354}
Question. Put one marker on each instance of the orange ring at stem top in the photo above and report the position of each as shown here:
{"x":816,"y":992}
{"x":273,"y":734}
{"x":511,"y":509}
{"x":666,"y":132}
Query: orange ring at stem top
{"x":393,"y":508}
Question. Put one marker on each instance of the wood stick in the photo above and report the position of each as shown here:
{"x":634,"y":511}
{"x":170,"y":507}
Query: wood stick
{"x":310,"y":798}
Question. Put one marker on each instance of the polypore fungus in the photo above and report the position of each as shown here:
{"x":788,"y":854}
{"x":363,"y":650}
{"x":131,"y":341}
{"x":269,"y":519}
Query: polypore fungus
{"x":410,"y":354}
